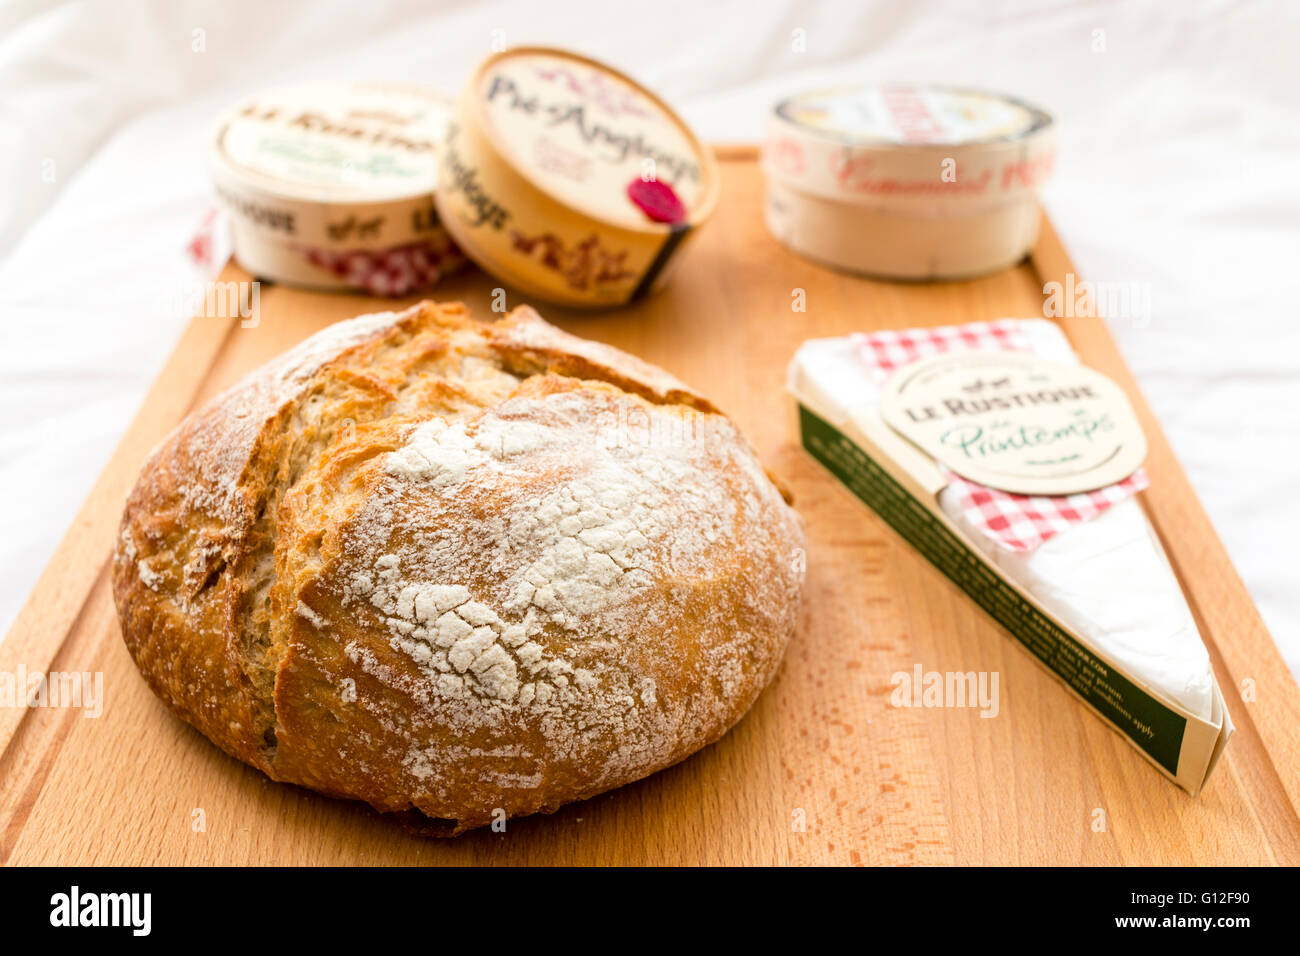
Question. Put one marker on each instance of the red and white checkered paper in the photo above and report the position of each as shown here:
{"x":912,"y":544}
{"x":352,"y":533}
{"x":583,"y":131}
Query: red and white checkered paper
{"x":395,"y":271}
{"x":399,"y":270}
{"x":1016,"y":522}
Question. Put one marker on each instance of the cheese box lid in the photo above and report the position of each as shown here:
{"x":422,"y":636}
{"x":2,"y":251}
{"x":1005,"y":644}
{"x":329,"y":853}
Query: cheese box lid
{"x":906,"y":143}
{"x":334,"y":144}
{"x":583,"y":133}
{"x":913,"y":115}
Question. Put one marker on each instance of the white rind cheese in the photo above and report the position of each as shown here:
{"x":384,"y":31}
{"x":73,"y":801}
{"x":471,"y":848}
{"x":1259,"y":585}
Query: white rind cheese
{"x":1107,"y":579}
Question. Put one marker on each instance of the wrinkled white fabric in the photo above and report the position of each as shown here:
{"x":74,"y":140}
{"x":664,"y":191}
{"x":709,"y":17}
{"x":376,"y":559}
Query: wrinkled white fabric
{"x":1180,"y":138}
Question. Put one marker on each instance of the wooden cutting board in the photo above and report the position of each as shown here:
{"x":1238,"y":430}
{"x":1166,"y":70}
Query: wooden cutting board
{"x":823,"y":770}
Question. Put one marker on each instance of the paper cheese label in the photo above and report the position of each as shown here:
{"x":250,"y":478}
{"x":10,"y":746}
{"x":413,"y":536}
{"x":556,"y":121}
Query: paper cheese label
{"x":1011,"y":421}
{"x":337,"y":143}
{"x":584,"y":133}
{"x":913,"y":115}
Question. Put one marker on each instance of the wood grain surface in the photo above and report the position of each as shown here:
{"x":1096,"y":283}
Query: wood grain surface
{"x":823,"y":770}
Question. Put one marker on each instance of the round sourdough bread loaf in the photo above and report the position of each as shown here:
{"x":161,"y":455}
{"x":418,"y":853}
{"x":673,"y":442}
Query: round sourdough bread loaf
{"x":457,"y":569}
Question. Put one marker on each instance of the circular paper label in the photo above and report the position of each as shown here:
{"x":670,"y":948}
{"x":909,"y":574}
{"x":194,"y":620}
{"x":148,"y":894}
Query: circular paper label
{"x":584,"y":134}
{"x":1014,"y":422}
{"x":338,"y":144}
{"x":908,"y":115}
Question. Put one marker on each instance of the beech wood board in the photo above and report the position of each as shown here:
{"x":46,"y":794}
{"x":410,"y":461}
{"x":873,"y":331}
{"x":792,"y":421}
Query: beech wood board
{"x":823,"y":770}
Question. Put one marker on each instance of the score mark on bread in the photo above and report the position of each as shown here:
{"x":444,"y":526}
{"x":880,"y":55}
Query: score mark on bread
{"x":455,"y":569}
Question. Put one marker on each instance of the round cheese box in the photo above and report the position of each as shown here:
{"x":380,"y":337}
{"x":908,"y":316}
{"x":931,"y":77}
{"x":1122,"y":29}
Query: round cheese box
{"x":331,"y":187}
{"x":570,"y":182}
{"x":907,"y":182}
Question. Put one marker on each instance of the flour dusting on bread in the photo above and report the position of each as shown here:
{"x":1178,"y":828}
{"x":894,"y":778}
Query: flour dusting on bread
{"x":573,"y":557}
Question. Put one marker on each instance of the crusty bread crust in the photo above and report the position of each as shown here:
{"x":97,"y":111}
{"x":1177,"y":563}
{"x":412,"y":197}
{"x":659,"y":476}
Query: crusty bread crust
{"x":457,"y":570}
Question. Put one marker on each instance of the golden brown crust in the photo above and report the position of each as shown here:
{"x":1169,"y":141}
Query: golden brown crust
{"x":457,"y":569}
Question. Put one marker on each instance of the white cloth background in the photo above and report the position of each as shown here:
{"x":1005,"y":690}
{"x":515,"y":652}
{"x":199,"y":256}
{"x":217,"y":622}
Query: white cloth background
{"x":1179,"y":169}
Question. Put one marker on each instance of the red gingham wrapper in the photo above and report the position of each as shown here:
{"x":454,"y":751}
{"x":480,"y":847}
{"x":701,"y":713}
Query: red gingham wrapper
{"x":1016,"y":522}
{"x":203,"y":244}
{"x":399,"y":270}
